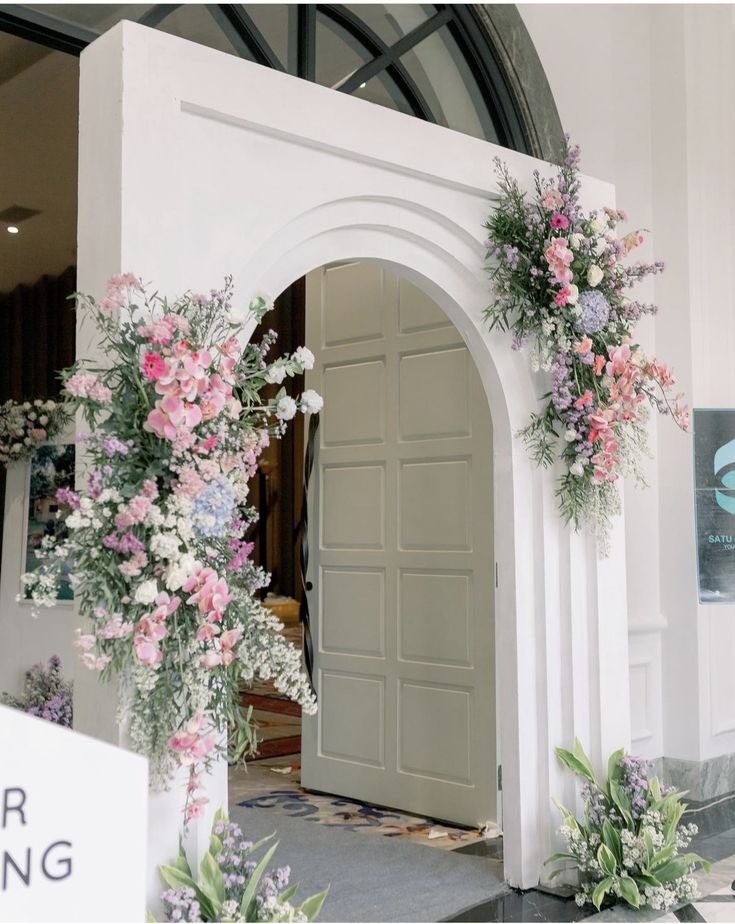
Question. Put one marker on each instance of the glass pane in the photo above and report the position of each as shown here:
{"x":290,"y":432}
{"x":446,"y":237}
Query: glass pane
{"x":382,"y":90}
{"x":272,"y":21}
{"x":193,"y":21}
{"x":442,"y":74}
{"x":95,"y":16}
{"x":393,"y":21}
{"x":338,"y":55}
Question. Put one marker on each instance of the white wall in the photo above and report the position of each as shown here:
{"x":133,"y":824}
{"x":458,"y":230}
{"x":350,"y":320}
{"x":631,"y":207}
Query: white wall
{"x":648,"y":93}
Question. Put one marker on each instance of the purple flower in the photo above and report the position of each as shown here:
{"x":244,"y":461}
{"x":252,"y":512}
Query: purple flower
{"x":595,"y":310}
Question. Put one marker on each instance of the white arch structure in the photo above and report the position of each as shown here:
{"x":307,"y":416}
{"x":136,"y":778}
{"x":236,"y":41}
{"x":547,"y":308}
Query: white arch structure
{"x":195,"y":164}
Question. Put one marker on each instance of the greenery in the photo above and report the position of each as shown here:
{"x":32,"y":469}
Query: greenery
{"x":232,"y":885}
{"x":628,"y":846}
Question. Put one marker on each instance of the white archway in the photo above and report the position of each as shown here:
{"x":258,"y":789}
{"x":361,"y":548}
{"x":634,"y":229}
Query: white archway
{"x":209,"y":165}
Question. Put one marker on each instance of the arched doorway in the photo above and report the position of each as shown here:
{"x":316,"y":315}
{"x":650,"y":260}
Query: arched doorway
{"x":400,"y":552}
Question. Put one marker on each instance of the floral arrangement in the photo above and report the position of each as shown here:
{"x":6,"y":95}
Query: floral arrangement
{"x":560,"y":282}
{"x":45,"y":694}
{"x":232,"y":884}
{"x":161,"y":565}
{"x":25,"y":426}
{"x":628,"y":845}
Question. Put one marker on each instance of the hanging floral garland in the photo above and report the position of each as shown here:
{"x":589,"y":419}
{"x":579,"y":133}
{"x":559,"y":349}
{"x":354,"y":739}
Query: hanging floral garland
{"x":24,"y":426}
{"x":161,"y":564}
{"x":560,"y":285}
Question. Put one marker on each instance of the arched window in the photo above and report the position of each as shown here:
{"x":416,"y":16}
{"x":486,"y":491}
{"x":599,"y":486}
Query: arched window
{"x":438,"y":62}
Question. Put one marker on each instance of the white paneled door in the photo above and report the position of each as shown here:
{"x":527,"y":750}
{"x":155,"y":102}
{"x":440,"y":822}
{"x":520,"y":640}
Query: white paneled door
{"x":401,"y":553}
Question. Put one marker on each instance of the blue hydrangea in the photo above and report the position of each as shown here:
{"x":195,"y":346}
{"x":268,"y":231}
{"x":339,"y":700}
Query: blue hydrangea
{"x":212,"y":510}
{"x":595,"y":311}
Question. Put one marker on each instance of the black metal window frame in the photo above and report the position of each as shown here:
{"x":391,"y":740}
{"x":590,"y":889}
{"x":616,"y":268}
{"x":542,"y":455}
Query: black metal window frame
{"x":248,"y":41}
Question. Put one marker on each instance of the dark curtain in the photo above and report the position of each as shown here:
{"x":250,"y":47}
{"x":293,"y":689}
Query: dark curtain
{"x":37,"y":339}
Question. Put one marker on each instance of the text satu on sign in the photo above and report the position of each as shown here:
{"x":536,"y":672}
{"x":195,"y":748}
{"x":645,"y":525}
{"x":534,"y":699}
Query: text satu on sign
{"x":73,"y":824}
{"x":714,"y":489}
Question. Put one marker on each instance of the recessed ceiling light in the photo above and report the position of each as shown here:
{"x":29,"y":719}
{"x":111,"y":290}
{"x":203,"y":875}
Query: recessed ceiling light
{"x":12,"y":229}
{"x":362,"y":86}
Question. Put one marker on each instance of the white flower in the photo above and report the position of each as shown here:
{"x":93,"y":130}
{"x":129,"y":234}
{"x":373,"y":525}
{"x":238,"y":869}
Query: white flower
{"x":165,"y":545}
{"x":594,"y":275}
{"x":43,"y":420}
{"x":286,"y":408}
{"x":600,"y":245}
{"x":575,"y":241}
{"x":570,"y":436}
{"x":573,"y":294}
{"x":577,"y":468}
{"x":50,"y":405}
{"x":178,"y":574}
{"x":16,"y":447}
{"x":146,"y":592}
{"x":305,"y":357}
{"x":235,"y":316}
{"x":32,"y":415}
{"x":275,"y":374}
{"x":311,"y":402}
{"x":27,"y":405}
{"x":599,"y":225}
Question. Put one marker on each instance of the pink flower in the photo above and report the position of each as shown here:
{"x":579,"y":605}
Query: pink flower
{"x":584,"y":400}
{"x":194,"y":741}
{"x":562,"y":296}
{"x":631,"y":240}
{"x":584,"y":346}
{"x":147,"y":651}
{"x":154,"y":366}
{"x":37,"y":433}
{"x":552,"y":199}
{"x":148,"y":489}
{"x":170,"y":416}
{"x":207,"y":631}
{"x":84,"y":642}
{"x":210,"y":660}
{"x":559,"y":221}
{"x":100,"y":393}
{"x":123,"y":281}
{"x":195,"y":809}
{"x":95,"y":663}
{"x":559,"y":257}
{"x":599,"y":364}
{"x":80,"y":383}
{"x":159,"y":331}
{"x":619,"y":359}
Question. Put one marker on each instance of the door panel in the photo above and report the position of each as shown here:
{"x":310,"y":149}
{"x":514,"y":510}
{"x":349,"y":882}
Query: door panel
{"x":401,"y":552}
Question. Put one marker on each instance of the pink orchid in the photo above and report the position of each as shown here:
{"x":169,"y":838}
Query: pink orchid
{"x":151,"y":629}
{"x":559,"y":257}
{"x":84,"y":642}
{"x":584,"y":400}
{"x":211,"y":659}
{"x":95,"y":663}
{"x":195,"y":809}
{"x":147,"y":651}
{"x":207,"y":631}
{"x":619,"y":359}
{"x":171,"y":415}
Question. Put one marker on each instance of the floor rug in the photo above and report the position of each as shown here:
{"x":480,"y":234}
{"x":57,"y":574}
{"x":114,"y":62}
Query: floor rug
{"x":273,"y":785}
{"x":373,"y":878}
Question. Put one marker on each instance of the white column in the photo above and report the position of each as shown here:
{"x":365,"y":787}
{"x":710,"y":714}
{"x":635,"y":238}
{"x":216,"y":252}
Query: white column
{"x":103,"y":241}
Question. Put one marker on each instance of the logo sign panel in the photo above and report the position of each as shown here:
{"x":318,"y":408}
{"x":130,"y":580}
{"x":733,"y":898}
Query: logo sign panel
{"x":714,"y":489}
{"x":73,"y":825}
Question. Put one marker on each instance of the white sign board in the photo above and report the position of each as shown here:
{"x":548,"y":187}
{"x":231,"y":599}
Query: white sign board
{"x":73,"y":824}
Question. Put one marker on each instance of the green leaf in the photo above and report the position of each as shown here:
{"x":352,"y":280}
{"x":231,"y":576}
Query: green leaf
{"x":149,"y":918}
{"x":663,"y":856}
{"x":181,"y":862}
{"x":643,"y":880}
{"x":211,"y":879}
{"x":654,"y":787}
{"x":614,"y":770}
{"x":601,"y":890}
{"x":557,"y":857}
{"x":247,"y":906}
{"x":606,"y":859}
{"x":612,"y":839}
{"x":571,"y":762}
{"x":175,"y":879}
{"x":578,"y":752}
{"x":289,"y":893}
{"x":629,"y":891}
{"x":312,"y":906}
{"x":621,"y":801}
